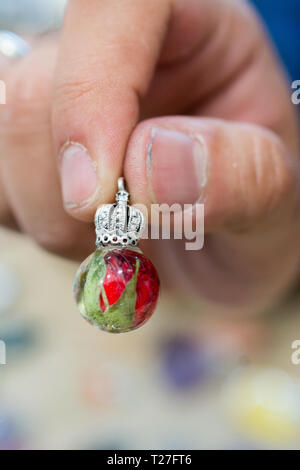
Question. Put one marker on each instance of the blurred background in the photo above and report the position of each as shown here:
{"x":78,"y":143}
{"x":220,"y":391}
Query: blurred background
{"x":187,"y":380}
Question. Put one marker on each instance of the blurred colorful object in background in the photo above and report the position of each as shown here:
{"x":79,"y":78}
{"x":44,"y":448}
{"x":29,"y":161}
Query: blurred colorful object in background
{"x":9,"y":432}
{"x":31,"y":16}
{"x":109,"y":385}
{"x":189,"y":360}
{"x":264,"y":404}
{"x":18,"y":336}
{"x":283,"y":25}
{"x":184,"y":362}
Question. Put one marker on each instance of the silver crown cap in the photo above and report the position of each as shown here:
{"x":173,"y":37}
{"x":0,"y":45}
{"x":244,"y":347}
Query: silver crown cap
{"x":119,"y":223}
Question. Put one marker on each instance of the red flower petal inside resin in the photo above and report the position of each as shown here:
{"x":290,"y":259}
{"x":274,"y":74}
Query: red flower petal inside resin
{"x":120,"y":268}
{"x":118,"y":273}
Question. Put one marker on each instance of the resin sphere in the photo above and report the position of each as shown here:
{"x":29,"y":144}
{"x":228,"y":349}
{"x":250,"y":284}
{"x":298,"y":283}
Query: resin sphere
{"x":116,"y":289}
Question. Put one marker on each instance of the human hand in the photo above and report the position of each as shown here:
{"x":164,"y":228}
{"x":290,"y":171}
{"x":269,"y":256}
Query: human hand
{"x":161,"y":92}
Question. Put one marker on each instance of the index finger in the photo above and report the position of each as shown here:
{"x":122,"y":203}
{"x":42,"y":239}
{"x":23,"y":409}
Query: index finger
{"x":105,"y":66}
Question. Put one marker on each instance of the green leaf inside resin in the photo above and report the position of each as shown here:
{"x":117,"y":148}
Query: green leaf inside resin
{"x":118,"y":317}
{"x":94,"y":279}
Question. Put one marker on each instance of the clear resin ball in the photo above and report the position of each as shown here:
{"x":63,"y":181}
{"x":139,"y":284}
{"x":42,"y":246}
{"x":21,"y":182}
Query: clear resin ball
{"x":116,"y":289}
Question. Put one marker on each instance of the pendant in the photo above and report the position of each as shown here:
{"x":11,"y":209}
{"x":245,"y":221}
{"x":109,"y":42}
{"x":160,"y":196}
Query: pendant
{"x":117,"y":287}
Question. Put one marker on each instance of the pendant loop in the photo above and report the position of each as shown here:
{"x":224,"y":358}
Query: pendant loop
{"x":121,"y":184}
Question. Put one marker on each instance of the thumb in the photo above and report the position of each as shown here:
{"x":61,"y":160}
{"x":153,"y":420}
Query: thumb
{"x":242,"y":172}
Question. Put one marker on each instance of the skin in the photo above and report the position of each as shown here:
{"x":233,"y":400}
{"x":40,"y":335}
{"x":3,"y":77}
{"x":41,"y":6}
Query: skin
{"x":118,"y":70}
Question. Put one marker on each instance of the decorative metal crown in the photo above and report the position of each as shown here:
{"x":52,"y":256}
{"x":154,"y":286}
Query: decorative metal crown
{"x":119,"y":223}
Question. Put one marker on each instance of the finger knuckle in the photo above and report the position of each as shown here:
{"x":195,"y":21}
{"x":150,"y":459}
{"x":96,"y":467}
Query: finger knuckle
{"x":72,"y":92}
{"x":282,"y":169}
{"x":272,"y":169}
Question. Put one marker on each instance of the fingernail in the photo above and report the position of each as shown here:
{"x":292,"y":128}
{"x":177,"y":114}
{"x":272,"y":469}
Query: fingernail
{"x":177,"y":167}
{"x":78,"y":175}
